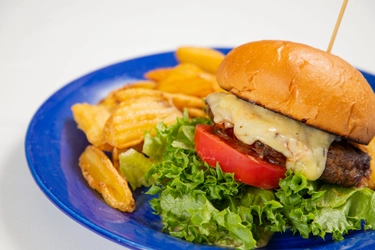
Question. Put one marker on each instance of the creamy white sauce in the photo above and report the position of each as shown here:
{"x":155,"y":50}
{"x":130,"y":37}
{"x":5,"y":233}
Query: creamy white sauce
{"x":304,"y":147}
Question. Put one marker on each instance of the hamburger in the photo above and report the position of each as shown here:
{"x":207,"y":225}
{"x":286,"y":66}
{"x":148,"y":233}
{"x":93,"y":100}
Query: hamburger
{"x":283,"y":149}
{"x":291,"y":106}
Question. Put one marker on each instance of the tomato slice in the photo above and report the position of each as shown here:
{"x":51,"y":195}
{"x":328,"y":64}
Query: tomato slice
{"x":246,"y":168}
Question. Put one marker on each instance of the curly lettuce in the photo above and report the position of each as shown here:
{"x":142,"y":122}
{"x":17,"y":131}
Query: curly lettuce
{"x":316,"y":208}
{"x":202,"y":204}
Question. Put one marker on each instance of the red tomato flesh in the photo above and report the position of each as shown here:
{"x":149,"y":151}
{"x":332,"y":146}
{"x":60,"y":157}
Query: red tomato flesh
{"x":248,"y":169}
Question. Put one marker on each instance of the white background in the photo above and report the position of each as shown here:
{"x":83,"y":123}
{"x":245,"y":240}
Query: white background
{"x":46,"y":44}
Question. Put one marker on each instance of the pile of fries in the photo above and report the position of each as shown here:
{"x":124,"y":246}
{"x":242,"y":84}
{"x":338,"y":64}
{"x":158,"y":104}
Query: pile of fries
{"x":120,"y":120}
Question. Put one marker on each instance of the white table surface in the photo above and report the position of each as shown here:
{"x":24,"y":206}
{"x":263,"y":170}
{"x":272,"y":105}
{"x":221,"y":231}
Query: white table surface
{"x":46,"y":44}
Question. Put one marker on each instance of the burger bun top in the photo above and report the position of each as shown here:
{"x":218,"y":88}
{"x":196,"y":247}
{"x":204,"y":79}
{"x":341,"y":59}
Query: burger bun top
{"x":303,"y":83}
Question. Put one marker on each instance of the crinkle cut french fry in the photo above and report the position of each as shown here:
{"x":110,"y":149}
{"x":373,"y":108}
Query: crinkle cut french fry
{"x":130,"y":120}
{"x":194,"y":112}
{"x":102,"y":176}
{"x":115,"y":159}
{"x":181,"y":101}
{"x":158,"y":74}
{"x":91,"y":120}
{"x":143,"y":84}
{"x":187,"y":78}
{"x":206,"y":58}
{"x":110,"y":101}
{"x":130,"y":94}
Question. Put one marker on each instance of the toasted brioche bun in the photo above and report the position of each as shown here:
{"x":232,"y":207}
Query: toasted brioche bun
{"x":303,"y":83}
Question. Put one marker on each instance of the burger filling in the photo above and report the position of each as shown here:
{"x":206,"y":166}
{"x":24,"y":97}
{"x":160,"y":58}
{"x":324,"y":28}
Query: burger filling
{"x":287,"y":142}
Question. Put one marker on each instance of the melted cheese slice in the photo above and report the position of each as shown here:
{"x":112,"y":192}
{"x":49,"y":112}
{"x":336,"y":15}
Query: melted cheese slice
{"x":304,"y":147}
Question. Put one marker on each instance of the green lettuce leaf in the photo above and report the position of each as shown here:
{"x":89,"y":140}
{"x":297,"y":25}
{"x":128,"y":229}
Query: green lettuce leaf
{"x":314,"y":208}
{"x":134,"y":166}
{"x":202,"y":204}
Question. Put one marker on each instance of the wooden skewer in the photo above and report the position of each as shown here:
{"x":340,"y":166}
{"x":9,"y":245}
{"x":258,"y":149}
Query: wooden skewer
{"x":337,"y":26}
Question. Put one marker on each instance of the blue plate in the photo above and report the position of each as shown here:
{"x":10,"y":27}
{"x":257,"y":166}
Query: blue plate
{"x":53,"y":145}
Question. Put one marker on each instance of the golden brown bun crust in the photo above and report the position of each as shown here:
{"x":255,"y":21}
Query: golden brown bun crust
{"x":303,"y":83}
